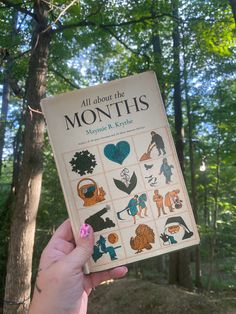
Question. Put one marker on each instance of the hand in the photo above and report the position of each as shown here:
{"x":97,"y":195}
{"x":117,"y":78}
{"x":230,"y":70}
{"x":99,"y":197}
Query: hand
{"x":164,"y":237}
{"x":61,"y":286}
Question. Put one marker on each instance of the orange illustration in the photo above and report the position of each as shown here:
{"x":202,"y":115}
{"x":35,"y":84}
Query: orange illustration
{"x":113,"y":238}
{"x":90,"y":193}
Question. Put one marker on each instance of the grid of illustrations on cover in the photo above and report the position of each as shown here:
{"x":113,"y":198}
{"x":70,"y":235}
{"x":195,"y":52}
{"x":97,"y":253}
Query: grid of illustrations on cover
{"x":129,"y":190}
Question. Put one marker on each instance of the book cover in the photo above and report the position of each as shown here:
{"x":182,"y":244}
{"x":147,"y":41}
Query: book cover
{"x":119,"y":170}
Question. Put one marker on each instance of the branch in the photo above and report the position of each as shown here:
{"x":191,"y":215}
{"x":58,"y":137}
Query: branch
{"x":21,"y":54}
{"x":64,"y":78}
{"x":90,"y":23}
{"x":124,"y":44}
{"x":61,"y":13}
{"x":19,"y":8}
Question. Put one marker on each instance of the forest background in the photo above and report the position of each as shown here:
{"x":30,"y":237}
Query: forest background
{"x":48,"y":47}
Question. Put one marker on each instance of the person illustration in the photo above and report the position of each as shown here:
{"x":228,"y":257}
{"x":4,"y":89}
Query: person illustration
{"x":142,"y":205}
{"x":100,"y":248}
{"x":157,"y":142}
{"x":166,"y":170}
{"x":158,"y":199}
{"x":133,"y":208}
{"x":172,"y":198}
{"x":175,"y":230}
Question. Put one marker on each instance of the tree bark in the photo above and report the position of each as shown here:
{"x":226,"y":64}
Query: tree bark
{"x":179,"y":132}
{"x":179,"y":266}
{"x":213,"y":238}
{"x":3,"y":118}
{"x":157,"y":50}
{"x":18,"y":279}
{"x":198,"y":282}
{"x":233,"y":7}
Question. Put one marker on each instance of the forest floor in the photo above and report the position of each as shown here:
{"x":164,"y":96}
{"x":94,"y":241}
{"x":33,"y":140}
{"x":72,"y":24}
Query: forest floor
{"x":135,"y":296}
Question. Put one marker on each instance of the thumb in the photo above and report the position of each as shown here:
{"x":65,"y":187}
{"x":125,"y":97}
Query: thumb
{"x":83,"y":250}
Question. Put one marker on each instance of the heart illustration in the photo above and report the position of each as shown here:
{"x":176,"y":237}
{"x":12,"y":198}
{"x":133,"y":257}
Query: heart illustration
{"x":117,"y":153}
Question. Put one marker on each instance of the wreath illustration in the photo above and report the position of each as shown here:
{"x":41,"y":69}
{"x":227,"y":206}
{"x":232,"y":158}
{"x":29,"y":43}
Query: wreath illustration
{"x":83,"y":162}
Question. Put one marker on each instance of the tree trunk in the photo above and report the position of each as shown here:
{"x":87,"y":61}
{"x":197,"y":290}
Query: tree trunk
{"x":233,"y":7}
{"x":198,"y":282}
{"x":18,"y":279}
{"x":179,"y":267}
{"x":179,"y":131}
{"x":214,"y":217}
{"x":193,"y":187}
{"x":157,"y":51}
{"x":3,"y":118}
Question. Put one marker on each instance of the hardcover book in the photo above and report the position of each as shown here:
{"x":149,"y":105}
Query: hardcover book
{"x":119,"y":170}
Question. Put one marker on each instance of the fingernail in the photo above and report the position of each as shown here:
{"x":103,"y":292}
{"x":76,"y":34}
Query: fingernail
{"x":84,"y":230}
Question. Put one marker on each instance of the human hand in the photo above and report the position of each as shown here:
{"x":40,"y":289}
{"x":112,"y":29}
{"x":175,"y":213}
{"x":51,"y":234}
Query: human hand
{"x":164,"y":237}
{"x":61,"y":286}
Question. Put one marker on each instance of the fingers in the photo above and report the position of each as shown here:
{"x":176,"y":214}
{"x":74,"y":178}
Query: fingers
{"x":83,"y":251}
{"x":64,"y":231}
{"x":95,"y":279}
{"x":63,"y":246}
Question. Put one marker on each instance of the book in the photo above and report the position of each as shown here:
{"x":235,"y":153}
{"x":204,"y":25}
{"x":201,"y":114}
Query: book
{"x":119,"y":170}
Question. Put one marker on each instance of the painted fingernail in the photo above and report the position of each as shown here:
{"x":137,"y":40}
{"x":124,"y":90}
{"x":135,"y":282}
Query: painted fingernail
{"x":84,"y":230}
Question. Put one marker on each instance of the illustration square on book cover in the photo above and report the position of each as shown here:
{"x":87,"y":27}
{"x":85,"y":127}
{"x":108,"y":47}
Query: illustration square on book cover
{"x":119,"y":170}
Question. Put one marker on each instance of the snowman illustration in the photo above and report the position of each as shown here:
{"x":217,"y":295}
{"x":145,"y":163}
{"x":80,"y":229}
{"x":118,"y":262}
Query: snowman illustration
{"x":175,"y":230}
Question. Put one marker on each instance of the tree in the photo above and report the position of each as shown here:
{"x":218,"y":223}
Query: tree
{"x":17,"y":290}
{"x":179,"y":268}
{"x":233,"y":6}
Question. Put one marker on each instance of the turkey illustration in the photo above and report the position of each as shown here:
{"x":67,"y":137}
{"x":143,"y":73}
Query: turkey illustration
{"x":143,"y":239}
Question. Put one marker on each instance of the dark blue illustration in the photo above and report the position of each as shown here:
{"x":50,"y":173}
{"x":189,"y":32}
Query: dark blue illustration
{"x":147,"y":167}
{"x":157,"y":142}
{"x":135,"y":207}
{"x":117,"y":153}
{"x":101,"y":248}
{"x":127,"y":183}
{"x":98,"y":222}
{"x":83,"y":162}
{"x":166,"y":170}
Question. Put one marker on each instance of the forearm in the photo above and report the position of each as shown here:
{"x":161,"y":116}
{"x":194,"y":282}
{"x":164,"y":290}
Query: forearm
{"x":45,"y":305}
{"x":59,"y":296}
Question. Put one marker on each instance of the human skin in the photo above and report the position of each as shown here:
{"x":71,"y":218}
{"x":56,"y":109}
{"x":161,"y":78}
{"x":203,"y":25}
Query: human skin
{"x":61,"y":286}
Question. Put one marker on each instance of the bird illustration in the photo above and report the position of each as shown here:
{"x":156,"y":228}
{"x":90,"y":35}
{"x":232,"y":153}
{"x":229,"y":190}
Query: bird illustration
{"x":143,"y":239}
{"x":147,"y":167}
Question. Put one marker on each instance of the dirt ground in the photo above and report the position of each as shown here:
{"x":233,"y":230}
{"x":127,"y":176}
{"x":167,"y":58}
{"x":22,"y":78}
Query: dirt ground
{"x":133,"y":296}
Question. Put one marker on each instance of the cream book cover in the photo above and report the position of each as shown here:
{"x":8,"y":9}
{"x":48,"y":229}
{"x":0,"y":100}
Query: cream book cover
{"x":119,"y":170}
